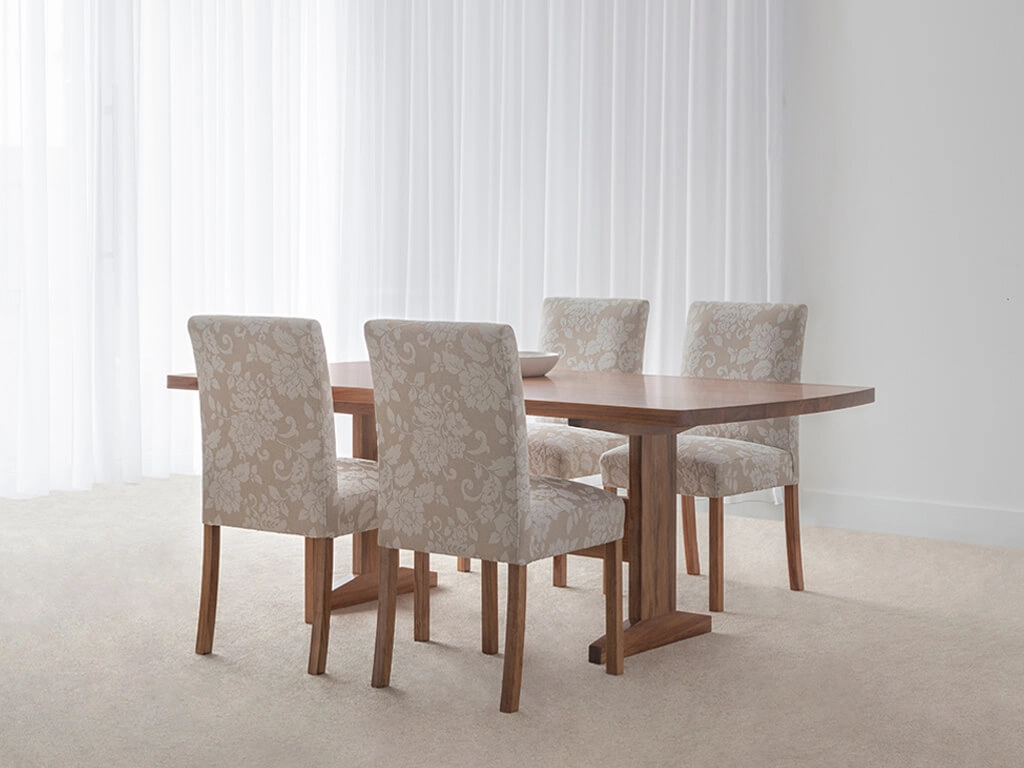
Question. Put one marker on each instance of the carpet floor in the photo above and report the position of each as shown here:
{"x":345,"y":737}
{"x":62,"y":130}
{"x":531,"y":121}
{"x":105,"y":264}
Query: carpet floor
{"x":901,"y":652}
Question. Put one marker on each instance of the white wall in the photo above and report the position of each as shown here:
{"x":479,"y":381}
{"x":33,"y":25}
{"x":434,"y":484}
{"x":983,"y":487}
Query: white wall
{"x":904,"y":233}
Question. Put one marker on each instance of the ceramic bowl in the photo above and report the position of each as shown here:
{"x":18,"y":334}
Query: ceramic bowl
{"x":536,"y":363}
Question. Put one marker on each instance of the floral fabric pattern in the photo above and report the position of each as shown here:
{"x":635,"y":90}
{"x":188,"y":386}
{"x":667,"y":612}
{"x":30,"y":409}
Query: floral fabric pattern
{"x":734,"y":340}
{"x":595,"y":334}
{"x":558,"y":450}
{"x":712,"y":467}
{"x":269,"y":459}
{"x":590,"y":335}
{"x":453,"y":464}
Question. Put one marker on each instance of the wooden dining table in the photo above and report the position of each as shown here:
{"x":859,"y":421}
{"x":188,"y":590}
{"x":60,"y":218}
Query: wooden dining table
{"x":651,"y":410}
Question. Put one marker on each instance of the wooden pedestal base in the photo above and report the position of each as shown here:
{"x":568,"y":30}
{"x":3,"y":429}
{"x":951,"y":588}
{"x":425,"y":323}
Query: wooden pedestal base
{"x":362,"y":588}
{"x":646,"y":634}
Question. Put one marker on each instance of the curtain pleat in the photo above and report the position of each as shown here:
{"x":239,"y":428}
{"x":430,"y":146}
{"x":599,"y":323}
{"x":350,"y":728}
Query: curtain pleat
{"x":457,"y":159}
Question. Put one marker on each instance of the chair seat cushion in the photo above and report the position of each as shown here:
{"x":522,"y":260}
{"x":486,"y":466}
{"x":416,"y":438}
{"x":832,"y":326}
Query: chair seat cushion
{"x":566,"y":516}
{"x":355,"y":502}
{"x":712,"y":467}
{"x":558,"y":450}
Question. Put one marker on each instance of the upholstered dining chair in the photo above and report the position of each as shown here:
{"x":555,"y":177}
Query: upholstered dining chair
{"x":269,"y":456}
{"x":734,"y":340}
{"x":590,"y":335}
{"x":455,"y":479}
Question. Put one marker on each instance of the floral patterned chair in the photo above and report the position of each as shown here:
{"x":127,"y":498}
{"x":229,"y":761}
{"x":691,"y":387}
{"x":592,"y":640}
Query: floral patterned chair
{"x":590,"y":335}
{"x":732,"y":340}
{"x":269,"y":459}
{"x":455,"y":479}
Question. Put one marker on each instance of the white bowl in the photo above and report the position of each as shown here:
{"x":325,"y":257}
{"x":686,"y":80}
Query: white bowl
{"x":536,"y":363}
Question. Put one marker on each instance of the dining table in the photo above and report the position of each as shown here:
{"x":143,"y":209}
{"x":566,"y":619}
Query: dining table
{"x":651,"y":410}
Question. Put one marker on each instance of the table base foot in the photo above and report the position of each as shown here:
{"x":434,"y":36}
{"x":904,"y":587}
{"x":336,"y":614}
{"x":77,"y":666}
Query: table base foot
{"x":646,"y":634}
{"x":362,"y":588}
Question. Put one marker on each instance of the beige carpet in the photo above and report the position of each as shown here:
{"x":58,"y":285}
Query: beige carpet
{"x":903,"y":652}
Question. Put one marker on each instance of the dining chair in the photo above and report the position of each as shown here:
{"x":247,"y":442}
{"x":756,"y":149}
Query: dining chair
{"x":589,"y":335}
{"x":734,"y":340}
{"x":455,"y":479}
{"x":269,"y":456}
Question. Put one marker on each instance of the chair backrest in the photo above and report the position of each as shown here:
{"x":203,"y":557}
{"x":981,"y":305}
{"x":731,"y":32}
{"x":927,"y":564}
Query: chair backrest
{"x":454,"y":473}
{"x":269,"y":456}
{"x":756,"y":342}
{"x":595,"y":334}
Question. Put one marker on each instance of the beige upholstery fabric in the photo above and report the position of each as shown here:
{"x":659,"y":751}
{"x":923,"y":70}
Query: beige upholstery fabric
{"x":559,"y":450}
{"x":595,"y":334}
{"x":269,"y":459}
{"x":731,"y":340}
{"x":590,"y":335}
{"x":451,"y":437}
{"x":712,"y":467}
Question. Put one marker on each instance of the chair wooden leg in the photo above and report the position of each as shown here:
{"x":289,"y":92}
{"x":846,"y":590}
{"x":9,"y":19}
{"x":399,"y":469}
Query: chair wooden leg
{"x":323,"y":572}
{"x":515,"y":635}
{"x":716,"y":555}
{"x":690,"y":536}
{"x":465,"y":564}
{"x":387,"y":600}
{"x":208,"y":590}
{"x":559,"y":570}
{"x":421,"y":596}
{"x":793,"y":554}
{"x":613,"y":607}
{"x":604,"y":563}
{"x":489,"y":606}
{"x":310,"y":582}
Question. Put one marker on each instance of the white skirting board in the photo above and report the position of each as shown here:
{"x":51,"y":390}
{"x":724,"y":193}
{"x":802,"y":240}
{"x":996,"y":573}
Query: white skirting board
{"x":903,"y":517}
{"x":972,"y":525}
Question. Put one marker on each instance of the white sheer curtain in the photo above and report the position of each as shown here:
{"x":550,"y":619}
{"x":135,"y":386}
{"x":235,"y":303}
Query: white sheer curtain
{"x":69,"y":331}
{"x":344,"y":160}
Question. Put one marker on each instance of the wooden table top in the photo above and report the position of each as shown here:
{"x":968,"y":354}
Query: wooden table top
{"x":599,"y":399}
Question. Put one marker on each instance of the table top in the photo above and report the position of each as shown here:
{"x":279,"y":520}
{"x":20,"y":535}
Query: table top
{"x":615,"y":400}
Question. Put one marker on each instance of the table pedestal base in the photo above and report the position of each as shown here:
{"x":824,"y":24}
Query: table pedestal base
{"x":643,"y":635}
{"x":362,"y":588}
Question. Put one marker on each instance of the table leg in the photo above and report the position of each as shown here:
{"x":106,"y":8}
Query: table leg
{"x":653,"y":618}
{"x":365,"y":552}
{"x":361,"y":586}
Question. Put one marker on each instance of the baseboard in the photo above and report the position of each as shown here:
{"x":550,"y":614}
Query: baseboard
{"x":972,"y":525}
{"x":947,"y":522}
